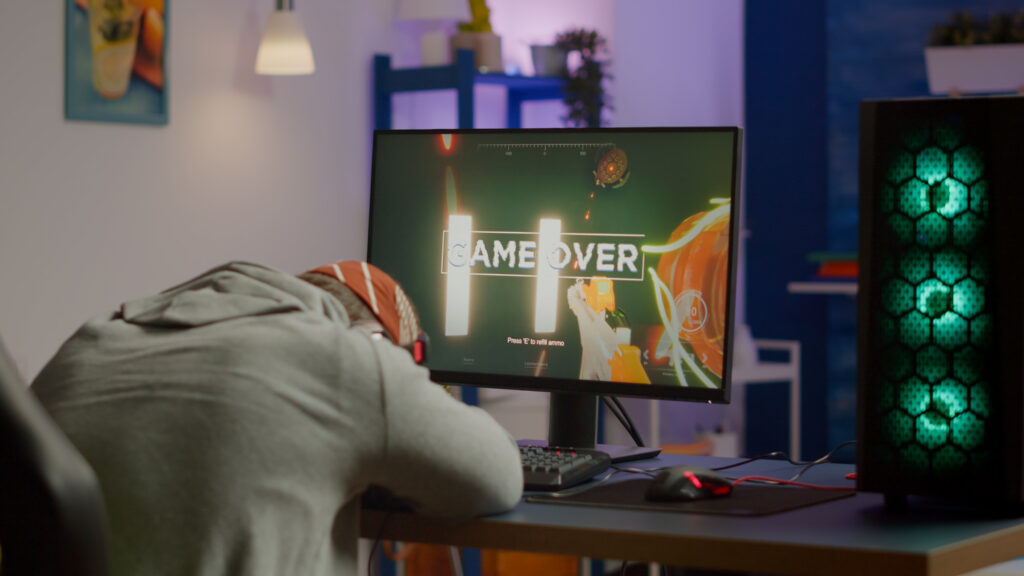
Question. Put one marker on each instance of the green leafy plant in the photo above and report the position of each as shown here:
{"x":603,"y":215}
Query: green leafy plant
{"x":481,"y":17}
{"x":584,"y":86}
{"x":964,"y":30}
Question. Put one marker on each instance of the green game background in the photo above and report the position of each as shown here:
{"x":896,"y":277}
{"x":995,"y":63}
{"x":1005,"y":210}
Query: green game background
{"x":672,"y":175}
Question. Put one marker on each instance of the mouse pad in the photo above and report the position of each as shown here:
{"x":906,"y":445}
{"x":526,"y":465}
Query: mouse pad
{"x":745,"y":500}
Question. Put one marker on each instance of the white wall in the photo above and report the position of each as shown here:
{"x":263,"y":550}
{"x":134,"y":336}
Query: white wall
{"x":273,"y":170}
{"x":680,"y":63}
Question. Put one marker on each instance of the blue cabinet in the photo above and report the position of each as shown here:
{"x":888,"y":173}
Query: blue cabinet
{"x":461,"y":77}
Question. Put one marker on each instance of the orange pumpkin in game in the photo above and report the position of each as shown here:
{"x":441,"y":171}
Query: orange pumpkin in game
{"x":697,"y":274}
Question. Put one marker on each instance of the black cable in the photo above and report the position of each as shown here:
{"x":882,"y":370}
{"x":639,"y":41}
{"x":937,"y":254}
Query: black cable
{"x":807,"y":465}
{"x":625,"y":413}
{"x":823,"y":459}
{"x":586,"y":486}
{"x":376,"y":543}
{"x":615,"y":412}
{"x":623,"y":419}
{"x":652,"y":472}
{"x":762,"y":457}
{"x":628,"y":422}
{"x":607,"y":404}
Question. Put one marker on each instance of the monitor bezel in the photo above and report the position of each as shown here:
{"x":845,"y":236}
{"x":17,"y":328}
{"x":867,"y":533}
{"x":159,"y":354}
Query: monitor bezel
{"x":596,"y":387}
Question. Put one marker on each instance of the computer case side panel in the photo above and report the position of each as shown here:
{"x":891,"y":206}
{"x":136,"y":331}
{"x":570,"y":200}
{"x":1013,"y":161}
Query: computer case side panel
{"x":941,"y":299}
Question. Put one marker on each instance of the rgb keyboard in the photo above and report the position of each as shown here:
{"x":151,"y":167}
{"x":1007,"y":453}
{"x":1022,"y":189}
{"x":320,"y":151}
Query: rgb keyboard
{"x":549,"y":468}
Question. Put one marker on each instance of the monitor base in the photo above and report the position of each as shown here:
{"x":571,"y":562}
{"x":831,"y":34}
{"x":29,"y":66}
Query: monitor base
{"x":621,"y":453}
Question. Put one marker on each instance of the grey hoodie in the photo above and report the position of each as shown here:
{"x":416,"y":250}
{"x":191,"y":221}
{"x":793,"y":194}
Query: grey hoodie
{"x":233,"y":421}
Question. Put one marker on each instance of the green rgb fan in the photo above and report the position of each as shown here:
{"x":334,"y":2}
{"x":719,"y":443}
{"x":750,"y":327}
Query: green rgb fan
{"x":935,"y":321}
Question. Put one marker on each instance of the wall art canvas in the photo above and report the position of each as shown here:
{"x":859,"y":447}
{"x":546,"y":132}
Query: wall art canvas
{"x":116,"y":60}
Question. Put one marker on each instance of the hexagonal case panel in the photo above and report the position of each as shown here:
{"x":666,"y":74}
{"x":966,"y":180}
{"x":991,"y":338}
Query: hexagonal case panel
{"x":934,"y":316}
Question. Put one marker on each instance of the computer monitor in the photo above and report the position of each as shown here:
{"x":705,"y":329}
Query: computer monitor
{"x":579,"y":262}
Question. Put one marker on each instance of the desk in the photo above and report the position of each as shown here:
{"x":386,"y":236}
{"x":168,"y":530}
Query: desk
{"x":848,"y":536}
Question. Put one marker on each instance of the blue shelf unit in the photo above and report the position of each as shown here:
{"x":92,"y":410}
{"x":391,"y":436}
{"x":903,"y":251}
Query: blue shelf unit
{"x":460,"y":76}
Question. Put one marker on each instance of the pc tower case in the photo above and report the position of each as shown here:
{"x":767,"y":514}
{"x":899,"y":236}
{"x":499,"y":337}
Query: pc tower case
{"x":941,"y":300}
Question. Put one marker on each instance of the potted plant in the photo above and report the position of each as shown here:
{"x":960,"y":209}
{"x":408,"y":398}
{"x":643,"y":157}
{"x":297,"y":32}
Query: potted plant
{"x":584,"y":85}
{"x":966,"y":56}
{"x":478,"y":36}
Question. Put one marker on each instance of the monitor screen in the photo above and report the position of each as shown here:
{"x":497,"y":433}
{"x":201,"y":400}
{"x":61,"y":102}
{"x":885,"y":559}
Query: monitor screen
{"x":593,"y":261}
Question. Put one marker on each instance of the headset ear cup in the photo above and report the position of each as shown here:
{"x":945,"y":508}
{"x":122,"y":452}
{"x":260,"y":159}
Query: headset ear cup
{"x":419,"y":347}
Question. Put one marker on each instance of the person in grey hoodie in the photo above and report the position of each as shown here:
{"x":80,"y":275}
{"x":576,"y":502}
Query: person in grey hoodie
{"x":234,"y":421}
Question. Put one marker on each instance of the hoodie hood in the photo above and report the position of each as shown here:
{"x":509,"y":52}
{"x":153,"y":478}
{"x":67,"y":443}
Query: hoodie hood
{"x":234,"y":290}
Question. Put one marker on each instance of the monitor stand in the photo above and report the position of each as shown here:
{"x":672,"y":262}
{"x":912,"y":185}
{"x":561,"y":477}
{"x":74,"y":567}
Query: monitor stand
{"x":572,"y":422}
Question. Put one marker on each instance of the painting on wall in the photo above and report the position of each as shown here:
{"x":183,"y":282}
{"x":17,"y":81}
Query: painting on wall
{"x":115,"y":67}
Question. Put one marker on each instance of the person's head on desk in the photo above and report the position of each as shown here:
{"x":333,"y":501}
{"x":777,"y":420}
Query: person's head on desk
{"x":234,"y":419}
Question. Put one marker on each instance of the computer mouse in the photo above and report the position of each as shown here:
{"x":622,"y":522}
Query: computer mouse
{"x":686,"y":483}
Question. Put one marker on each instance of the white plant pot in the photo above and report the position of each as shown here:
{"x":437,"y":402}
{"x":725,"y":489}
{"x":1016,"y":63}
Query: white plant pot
{"x":549,"y":60}
{"x":974,"y":69}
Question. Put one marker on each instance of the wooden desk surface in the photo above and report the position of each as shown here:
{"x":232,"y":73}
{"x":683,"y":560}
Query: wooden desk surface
{"x":847,"y":536}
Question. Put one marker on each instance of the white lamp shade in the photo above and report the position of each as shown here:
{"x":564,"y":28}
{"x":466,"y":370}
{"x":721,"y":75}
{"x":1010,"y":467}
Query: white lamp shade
{"x":285,"y":49}
{"x":457,"y":10}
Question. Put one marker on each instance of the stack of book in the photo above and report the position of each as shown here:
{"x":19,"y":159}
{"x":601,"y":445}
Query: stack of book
{"x":834,"y":265}
{"x":836,"y":274}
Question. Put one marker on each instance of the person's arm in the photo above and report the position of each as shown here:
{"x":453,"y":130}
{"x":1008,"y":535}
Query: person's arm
{"x":442,"y":456}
